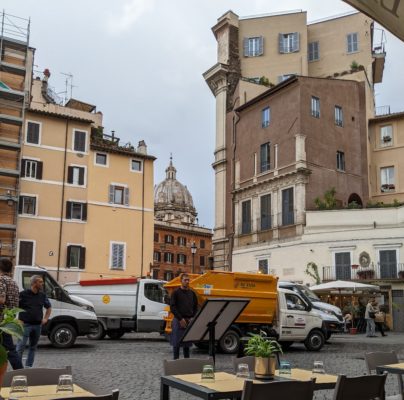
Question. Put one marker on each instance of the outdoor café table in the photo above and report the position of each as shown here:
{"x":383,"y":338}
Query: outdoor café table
{"x":393,"y":368}
{"x":44,"y":392}
{"x":228,"y":386}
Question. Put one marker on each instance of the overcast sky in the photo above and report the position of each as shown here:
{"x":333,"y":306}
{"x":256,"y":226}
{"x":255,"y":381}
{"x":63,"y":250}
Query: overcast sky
{"x":141,"y":63}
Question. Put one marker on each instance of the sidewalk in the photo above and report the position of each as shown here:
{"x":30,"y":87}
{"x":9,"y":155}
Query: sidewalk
{"x":392,"y":338}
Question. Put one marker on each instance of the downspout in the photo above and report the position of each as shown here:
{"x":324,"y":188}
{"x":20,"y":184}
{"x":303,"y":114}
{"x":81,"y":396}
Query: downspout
{"x":142,"y":249}
{"x":62,"y":200}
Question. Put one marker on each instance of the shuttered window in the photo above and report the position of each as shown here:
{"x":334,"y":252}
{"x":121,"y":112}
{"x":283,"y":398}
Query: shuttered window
{"x":313,"y":51}
{"x":181,"y":241}
{"x":352,"y":42}
{"x":75,"y":175}
{"x":169,"y":239}
{"x":253,"y":46}
{"x":31,"y":168}
{"x":288,"y":217}
{"x":388,"y":264}
{"x":76,"y":256}
{"x":168,"y":257}
{"x":343,"y":266}
{"x":26,"y":252}
{"x":289,"y":42}
{"x":76,"y":210}
{"x":157,"y":256}
{"x":265,"y":212}
{"x":27,"y":205}
{"x":33,"y":132}
{"x":202,"y":244}
{"x":118,"y":255}
{"x":79,"y":141}
{"x":119,"y":195}
{"x":181,"y":259}
{"x":246,"y":217}
{"x":265,"y":157}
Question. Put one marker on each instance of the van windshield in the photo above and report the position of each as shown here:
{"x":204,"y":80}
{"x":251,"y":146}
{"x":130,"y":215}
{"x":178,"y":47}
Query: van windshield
{"x":308,"y":293}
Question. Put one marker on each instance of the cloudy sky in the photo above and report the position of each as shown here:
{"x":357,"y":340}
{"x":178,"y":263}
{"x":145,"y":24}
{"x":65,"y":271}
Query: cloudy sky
{"x":141,"y":63}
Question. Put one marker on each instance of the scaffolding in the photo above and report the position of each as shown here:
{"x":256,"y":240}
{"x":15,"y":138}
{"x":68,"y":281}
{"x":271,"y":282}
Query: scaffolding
{"x":15,"y":82}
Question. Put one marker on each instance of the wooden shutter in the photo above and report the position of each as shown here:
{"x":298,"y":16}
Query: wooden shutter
{"x":296,"y":42}
{"x":111,"y":193}
{"x":26,"y":253}
{"x":261,"y":46}
{"x":246,"y":52}
{"x":68,"y":252}
{"x":287,"y":207}
{"x":82,"y":262}
{"x":70,"y":175}
{"x":126,"y":196}
{"x":20,"y":204}
{"x":79,"y":141}
{"x":33,"y":133}
{"x":68,"y":210}
{"x":81,"y":176}
{"x":39,"y":169}
{"x":343,"y":266}
{"x":23,"y":163}
{"x":281,"y":43}
{"x":84,"y":213}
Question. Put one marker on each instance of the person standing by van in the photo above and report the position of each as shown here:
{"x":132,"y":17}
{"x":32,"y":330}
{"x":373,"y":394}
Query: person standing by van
{"x":184,"y":305}
{"x":33,"y":301}
{"x":9,"y":294}
{"x":370,"y":319}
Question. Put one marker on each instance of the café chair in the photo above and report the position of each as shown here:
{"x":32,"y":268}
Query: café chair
{"x":185,"y":365}
{"x":113,"y":396}
{"x":376,"y":358}
{"x":249,"y":360}
{"x":37,"y":376}
{"x":366,"y":387}
{"x":278,"y":390}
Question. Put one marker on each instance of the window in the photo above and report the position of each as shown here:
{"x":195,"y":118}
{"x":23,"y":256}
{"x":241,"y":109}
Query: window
{"x":352,"y":42}
{"x":26,"y":252}
{"x":33,"y":132}
{"x":246,"y":217}
{"x":168,"y":275}
{"x":157,"y":256}
{"x":288,"y":217}
{"x":202,"y":244}
{"x":181,"y":259}
{"x":135,"y":165}
{"x":155,"y":292}
{"x":315,"y":107}
{"x":75,"y":257}
{"x":101,"y":159}
{"x":31,"y":168}
{"x":343,"y":266}
{"x":118,"y":195}
{"x":156,"y":237}
{"x":388,"y":263}
{"x":340,"y":161}
{"x":181,"y":240}
{"x":155,"y":274}
{"x":118,"y":255}
{"x":168,"y":257}
{"x":254,"y":46}
{"x":79,"y":141}
{"x":387,"y":179}
{"x":75,"y":175}
{"x":263,"y":266}
{"x":386,"y":136}
{"x":76,"y":210}
{"x":314,"y":51}
{"x":169,"y":239}
{"x":339,"y":117}
{"x":265,"y":212}
{"x":294,"y":302}
{"x":265,"y":117}
{"x":49,"y":284}
{"x":289,"y":42}
{"x":27,"y":205}
{"x":202,"y":261}
{"x":265,"y":159}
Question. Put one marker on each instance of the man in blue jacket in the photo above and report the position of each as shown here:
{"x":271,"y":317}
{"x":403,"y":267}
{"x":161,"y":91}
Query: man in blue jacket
{"x":33,"y":301}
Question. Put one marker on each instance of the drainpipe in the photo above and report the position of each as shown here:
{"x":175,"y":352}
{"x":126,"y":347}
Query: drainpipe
{"x":62,"y":202}
{"x":142,"y":249}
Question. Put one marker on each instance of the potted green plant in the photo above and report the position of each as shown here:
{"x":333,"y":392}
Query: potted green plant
{"x":13,"y":327}
{"x":264,"y":350}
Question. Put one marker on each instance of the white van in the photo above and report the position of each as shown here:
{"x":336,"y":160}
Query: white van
{"x":71,"y":316}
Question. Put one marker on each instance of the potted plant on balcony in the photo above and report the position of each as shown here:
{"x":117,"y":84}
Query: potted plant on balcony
{"x":264,"y":349}
{"x":386,"y":139}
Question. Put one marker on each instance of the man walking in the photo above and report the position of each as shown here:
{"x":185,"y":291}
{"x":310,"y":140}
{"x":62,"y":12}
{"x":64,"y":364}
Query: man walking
{"x":184,"y":305}
{"x":33,"y":301}
{"x":8,"y":299}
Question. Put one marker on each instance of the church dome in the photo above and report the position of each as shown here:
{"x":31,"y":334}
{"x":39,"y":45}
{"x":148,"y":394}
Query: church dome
{"x":172,"y":199}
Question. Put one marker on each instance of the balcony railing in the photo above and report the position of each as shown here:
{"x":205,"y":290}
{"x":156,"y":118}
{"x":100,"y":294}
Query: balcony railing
{"x":357,"y":273}
{"x":382,"y":110}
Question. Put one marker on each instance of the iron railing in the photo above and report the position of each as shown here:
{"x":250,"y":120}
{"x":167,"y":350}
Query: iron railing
{"x":358,"y":273}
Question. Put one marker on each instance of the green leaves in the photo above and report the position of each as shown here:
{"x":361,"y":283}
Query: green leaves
{"x":12,"y":326}
{"x":261,"y":346}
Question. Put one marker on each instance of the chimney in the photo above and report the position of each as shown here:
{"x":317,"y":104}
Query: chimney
{"x":142,"y":148}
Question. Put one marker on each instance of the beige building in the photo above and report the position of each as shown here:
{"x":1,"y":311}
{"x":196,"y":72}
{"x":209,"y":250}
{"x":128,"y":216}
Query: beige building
{"x":85,"y":202}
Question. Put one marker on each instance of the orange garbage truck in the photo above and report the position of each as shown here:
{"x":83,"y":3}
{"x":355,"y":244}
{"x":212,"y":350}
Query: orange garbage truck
{"x":280,"y":313}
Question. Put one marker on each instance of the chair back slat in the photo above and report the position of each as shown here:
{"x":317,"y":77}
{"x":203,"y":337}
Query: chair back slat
{"x":185,"y":365}
{"x":38,"y":376}
{"x":366,"y":387}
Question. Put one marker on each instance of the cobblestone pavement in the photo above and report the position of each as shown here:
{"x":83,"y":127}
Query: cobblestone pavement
{"x":134,"y":363}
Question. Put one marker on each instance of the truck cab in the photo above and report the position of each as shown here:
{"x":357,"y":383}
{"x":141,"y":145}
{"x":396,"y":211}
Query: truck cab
{"x":71,"y":316}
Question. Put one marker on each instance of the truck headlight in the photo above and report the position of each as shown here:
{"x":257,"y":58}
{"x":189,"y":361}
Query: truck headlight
{"x":87,"y":307}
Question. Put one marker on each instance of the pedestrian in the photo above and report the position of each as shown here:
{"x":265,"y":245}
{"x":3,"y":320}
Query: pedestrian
{"x":33,"y":301}
{"x":379,"y":318}
{"x":347,"y":321}
{"x":184,"y":305}
{"x":370,"y":319}
{"x":9,"y":294}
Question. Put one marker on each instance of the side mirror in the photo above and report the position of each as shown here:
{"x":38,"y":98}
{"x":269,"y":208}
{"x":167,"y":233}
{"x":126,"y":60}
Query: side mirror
{"x":57,"y":292}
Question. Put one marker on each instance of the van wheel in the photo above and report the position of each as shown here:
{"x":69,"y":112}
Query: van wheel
{"x":314,"y":341}
{"x":115,"y":334}
{"x":99,"y":334}
{"x":230,"y":342}
{"x":63,"y":336}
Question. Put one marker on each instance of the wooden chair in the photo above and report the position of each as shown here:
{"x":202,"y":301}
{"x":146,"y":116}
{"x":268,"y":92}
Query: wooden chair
{"x":249,"y":360}
{"x":38,"y":376}
{"x":278,"y":390}
{"x":113,"y":396}
{"x":376,"y":358}
{"x":366,"y":387}
{"x":185,"y":365}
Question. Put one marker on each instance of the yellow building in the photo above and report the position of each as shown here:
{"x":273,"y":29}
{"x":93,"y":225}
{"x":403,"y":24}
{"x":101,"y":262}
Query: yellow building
{"x":86,"y":202}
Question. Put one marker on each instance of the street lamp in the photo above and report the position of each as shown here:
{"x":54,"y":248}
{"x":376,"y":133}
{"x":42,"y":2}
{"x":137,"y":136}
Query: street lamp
{"x":193,"y":251}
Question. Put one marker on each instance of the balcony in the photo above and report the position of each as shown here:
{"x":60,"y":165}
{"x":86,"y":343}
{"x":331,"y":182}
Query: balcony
{"x":379,"y":56}
{"x":388,"y":271}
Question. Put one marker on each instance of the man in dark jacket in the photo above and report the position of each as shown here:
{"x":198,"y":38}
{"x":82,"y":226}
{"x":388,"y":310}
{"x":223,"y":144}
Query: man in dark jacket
{"x":33,"y":301}
{"x":184,"y":306}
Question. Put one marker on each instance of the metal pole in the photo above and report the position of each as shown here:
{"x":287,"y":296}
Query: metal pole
{"x":193,"y":262}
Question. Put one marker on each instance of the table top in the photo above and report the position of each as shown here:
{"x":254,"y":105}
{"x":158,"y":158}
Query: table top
{"x":397,"y":368}
{"x":44,"y":392}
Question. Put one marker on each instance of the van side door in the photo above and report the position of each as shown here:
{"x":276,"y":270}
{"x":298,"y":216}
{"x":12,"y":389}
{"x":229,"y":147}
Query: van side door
{"x":294,"y":313}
